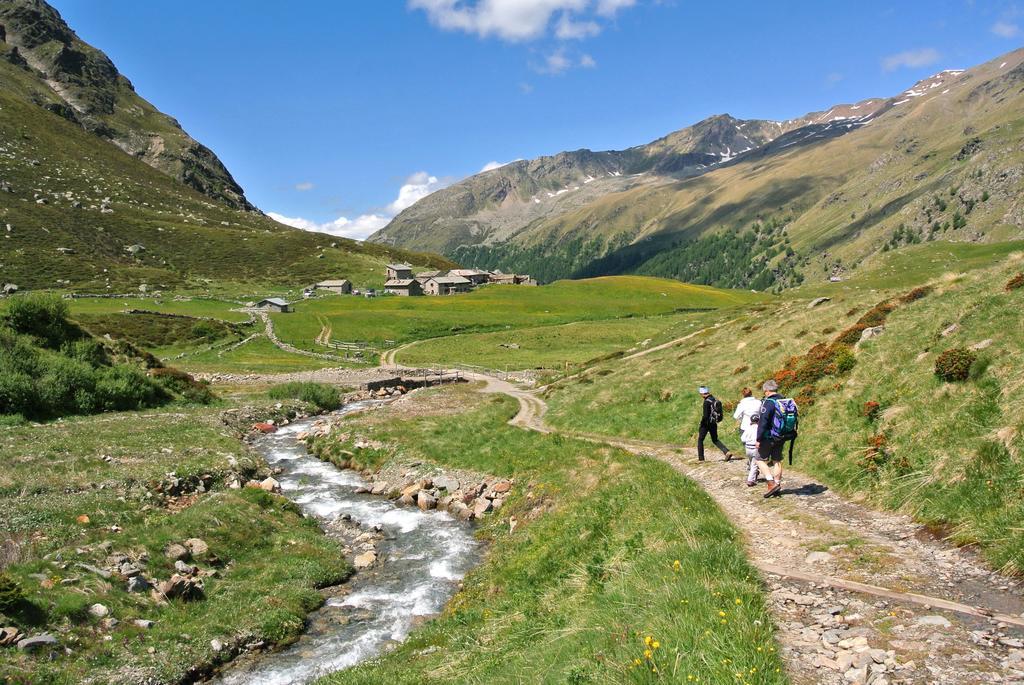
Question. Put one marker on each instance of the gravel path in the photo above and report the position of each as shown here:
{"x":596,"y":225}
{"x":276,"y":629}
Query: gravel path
{"x":860,"y":596}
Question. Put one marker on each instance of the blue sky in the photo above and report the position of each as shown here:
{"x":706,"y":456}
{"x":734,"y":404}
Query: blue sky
{"x":337,"y":114}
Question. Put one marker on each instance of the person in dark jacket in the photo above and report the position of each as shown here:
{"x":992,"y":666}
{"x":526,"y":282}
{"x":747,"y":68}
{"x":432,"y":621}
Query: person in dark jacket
{"x":709,"y":426}
{"x":770,"y":450}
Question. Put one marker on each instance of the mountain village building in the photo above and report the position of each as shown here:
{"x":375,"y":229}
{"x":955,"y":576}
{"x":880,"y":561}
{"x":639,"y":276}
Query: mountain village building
{"x":447,"y":285}
{"x":404,"y":287}
{"x":275,"y":304}
{"x":399,"y":272}
{"x":341,"y":286}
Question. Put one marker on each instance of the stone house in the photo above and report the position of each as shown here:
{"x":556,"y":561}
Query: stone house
{"x":474,"y":276}
{"x":399,"y":272}
{"x":447,"y":285}
{"x":275,"y":304}
{"x":404,"y":287}
{"x":341,"y":286}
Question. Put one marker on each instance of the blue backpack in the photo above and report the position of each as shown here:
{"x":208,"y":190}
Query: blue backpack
{"x":785,"y":422}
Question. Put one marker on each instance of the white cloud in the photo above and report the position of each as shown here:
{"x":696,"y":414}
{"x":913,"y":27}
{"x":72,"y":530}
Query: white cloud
{"x":557,"y":62}
{"x":569,"y":29}
{"x":491,"y":166}
{"x":609,"y":8}
{"x":304,"y":186}
{"x":416,"y":187}
{"x":1005,"y":29}
{"x":357,"y":228}
{"x":521,"y":20}
{"x":525,"y":88}
{"x":911,"y":59}
{"x":587,"y":62}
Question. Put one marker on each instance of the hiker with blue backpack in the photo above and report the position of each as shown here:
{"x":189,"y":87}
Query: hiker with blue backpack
{"x":776,"y":425}
{"x":711,"y":415}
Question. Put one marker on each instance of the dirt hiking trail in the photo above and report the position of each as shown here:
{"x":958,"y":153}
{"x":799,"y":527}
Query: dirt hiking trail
{"x":860,"y":596}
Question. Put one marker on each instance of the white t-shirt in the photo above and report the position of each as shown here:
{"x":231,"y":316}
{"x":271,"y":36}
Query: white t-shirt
{"x":745,"y":410}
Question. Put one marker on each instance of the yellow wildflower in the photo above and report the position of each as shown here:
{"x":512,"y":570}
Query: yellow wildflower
{"x":648,"y":654}
{"x":655,"y":644}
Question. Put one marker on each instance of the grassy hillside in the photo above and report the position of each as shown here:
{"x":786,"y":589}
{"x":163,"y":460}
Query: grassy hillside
{"x":77,"y":495}
{"x":611,"y":555}
{"x":493,"y":308}
{"x":62,"y":187}
{"x":947,"y":452}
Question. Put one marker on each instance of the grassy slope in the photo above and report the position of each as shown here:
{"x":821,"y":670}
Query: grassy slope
{"x":971,"y":430}
{"x":189,"y":239}
{"x":273,"y":559}
{"x":571,"y":595}
{"x":497,"y":307}
{"x":554,"y":347}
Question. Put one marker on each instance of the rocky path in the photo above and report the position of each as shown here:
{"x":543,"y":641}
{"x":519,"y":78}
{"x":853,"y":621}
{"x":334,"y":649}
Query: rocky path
{"x":860,"y":596}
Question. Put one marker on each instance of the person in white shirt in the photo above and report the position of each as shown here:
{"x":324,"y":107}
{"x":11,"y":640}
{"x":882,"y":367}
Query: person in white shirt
{"x":747,"y":412}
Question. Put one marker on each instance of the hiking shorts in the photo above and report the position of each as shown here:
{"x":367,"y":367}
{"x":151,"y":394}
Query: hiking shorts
{"x":771,"y":451}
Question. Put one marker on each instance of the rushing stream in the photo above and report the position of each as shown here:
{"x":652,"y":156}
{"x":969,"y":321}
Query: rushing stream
{"x":424,"y":554}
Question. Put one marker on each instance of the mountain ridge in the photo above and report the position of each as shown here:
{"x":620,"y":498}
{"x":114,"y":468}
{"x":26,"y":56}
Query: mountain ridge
{"x":882,"y":154}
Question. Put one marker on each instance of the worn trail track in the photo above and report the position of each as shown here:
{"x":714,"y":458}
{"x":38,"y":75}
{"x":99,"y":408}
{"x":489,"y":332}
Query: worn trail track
{"x":860,"y":596}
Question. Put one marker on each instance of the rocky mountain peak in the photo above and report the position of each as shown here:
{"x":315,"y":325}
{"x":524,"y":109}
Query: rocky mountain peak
{"x":100,"y":99}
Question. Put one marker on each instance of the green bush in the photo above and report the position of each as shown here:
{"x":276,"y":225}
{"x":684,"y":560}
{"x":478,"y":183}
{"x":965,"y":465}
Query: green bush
{"x":88,"y":350}
{"x":11,"y":594}
{"x":44,"y":317}
{"x":183,"y":384}
{"x":122,"y":388}
{"x":324,"y":396}
{"x":954,"y":364}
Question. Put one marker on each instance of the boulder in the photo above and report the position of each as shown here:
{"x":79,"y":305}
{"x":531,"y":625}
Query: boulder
{"x":425,"y":501}
{"x":197,"y":547}
{"x":138,"y":584}
{"x":98,"y":610}
{"x":143,"y":623}
{"x":175,"y":551}
{"x":216,"y":645}
{"x":35,"y":642}
{"x":950,"y":330}
{"x":987,"y":342}
{"x":264,"y":427}
{"x":379,"y":488}
{"x":270,"y":484}
{"x":411,"y":490}
{"x":407,"y":500}
{"x":446,"y":483}
{"x":818,"y":558}
{"x":818,"y":301}
{"x":872,"y":332}
{"x":183,"y":568}
{"x":9,"y":635}
{"x":365,"y":560}
{"x":181,"y":587}
{"x":936,"y":620}
{"x":482,"y":506}
{"x":501,"y":487}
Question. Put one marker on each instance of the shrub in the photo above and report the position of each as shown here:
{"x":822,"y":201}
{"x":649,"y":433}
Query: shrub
{"x":11,"y":594}
{"x":67,"y":386}
{"x":772,"y":345}
{"x":183,"y":384}
{"x":1015,"y":283}
{"x":121,"y":388}
{"x":954,"y":364}
{"x":871,"y":409}
{"x":916,"y":294}
{"x":740,"y":369}
{"x":89,"y":351}
{"x":851,"y":335}
{"x":204,"y":330}
{"x":44,"y":317}
{"x":326,"y":397}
